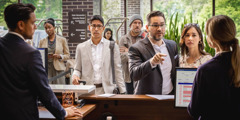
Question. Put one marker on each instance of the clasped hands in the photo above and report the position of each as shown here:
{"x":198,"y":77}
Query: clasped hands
{"x":123,"y":49}
{"x":158,"y":58}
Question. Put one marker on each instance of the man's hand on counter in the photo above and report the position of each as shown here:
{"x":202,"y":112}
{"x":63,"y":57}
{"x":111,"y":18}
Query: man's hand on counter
{"x":73,"y":111}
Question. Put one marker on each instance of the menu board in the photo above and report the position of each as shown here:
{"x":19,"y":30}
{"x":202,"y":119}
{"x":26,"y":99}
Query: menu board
{"x":77,"y":26}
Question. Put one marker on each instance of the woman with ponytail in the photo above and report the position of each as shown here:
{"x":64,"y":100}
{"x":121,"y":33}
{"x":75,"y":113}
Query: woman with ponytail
{"x":216,"y":88}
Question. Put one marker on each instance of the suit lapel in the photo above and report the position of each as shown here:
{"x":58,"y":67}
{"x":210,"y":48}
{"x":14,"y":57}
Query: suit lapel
{"x":170,"y":50}
{"x":150,"y":49}
{"x":89,"y":50}
{"x":149,"y":46}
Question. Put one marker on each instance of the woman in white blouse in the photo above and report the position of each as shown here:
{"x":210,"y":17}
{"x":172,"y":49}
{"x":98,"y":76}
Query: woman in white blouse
{"x":192,"y":54}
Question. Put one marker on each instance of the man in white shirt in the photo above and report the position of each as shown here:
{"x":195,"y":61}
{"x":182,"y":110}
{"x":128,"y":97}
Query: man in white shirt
{"x":152,"y":60}
{"x":93,"y":61}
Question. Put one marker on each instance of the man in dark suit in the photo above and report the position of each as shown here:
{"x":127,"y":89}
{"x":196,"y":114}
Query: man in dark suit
{"x":23,"y":79}
{"x":152,"y":63}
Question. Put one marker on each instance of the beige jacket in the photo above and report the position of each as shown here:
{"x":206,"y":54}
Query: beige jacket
{"x":84,"y":65}
{"x":61,"y":48}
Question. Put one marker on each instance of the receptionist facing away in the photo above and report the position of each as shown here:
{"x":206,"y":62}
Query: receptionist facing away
{"x":216,"y":88}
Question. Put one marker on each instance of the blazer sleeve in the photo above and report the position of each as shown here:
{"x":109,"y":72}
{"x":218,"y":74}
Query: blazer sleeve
{"x":39,"y":81}
{"x":66,"y":53}
{"x":176,"y":55}
{"x":118,"y":70}
{"x":78,"y":60}
{"x":194,"y":107}
{"x":137,"y":67}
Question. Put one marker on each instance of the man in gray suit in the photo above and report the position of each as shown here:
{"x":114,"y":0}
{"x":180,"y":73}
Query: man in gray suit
{"x":151,"y":60}
{"x":93,"y":60}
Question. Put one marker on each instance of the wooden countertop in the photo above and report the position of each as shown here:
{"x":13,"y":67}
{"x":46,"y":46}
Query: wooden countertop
{"x":86,"y":109}
{"x":120,"y":97}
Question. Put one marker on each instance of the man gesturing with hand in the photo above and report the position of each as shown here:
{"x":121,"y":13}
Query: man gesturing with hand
{"x":151,"y":60}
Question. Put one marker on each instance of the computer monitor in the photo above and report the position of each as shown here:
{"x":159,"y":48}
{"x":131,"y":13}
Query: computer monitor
{"x":44,"y":53}
{"x":184,"y":82}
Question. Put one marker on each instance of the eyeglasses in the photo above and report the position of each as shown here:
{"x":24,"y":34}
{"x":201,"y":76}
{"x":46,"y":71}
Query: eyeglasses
{"x":96,"y":26}
{"x":156,"y":26}
{"x":191,"y":24}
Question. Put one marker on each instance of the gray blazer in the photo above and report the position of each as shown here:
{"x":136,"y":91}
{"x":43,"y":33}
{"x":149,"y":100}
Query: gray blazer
{"x":84,"y":64}
{"x":148,"y":80}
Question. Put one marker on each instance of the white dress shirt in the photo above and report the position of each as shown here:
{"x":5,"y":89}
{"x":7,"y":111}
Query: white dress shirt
{"x":97,"y":61}
{"x":166,"y":68}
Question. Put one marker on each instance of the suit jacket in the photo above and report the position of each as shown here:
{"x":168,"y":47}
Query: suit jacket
{"x":127,"y":42}
{"x":214,"y":97}
{"x":148,"y":80}
{"x":23,"y":80}
{"x":84,"y":64}
{"x":61,"y":48}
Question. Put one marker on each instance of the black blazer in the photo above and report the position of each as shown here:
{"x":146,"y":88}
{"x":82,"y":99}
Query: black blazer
{"x":213,"y":94}
{"x":23,"y":80}
{"x":148,"y":80}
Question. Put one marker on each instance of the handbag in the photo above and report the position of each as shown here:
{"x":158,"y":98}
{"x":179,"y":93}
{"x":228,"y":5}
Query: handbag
{"x":111,"y":46}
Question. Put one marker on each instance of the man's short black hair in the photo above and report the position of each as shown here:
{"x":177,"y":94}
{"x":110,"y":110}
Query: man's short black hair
{"x":153,"y":14}
{"x":17,"y":12}
{"x":96,"y":17}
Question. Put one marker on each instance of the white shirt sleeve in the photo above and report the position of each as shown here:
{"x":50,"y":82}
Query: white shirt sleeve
{"x":76,"y":72}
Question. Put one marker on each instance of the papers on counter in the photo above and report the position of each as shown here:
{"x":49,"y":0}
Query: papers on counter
{"x":106,"y":95}
{"x":161,"y":97}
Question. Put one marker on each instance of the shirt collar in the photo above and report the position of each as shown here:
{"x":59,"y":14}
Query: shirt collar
{"x":17,"y":34}
{"x":155,"y":46}
{"x":98,"y":43}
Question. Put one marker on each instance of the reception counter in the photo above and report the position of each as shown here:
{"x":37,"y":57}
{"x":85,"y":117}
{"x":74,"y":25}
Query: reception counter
{"x":134,"y":107}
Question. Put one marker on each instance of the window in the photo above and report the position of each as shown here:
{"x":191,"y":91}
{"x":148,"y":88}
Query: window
{"x":47,"y":9}
{"x":189,"y":11}
{"x":109,"y":9}
{"x":180,"y":12}
{"x":230,"y":8}
{"x":144,"y":11}
{"x":3,"y":5}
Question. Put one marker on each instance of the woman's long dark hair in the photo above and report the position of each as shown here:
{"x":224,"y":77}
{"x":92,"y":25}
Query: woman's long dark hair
{"x":184,"y":48}
{"x":106,"y":30}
